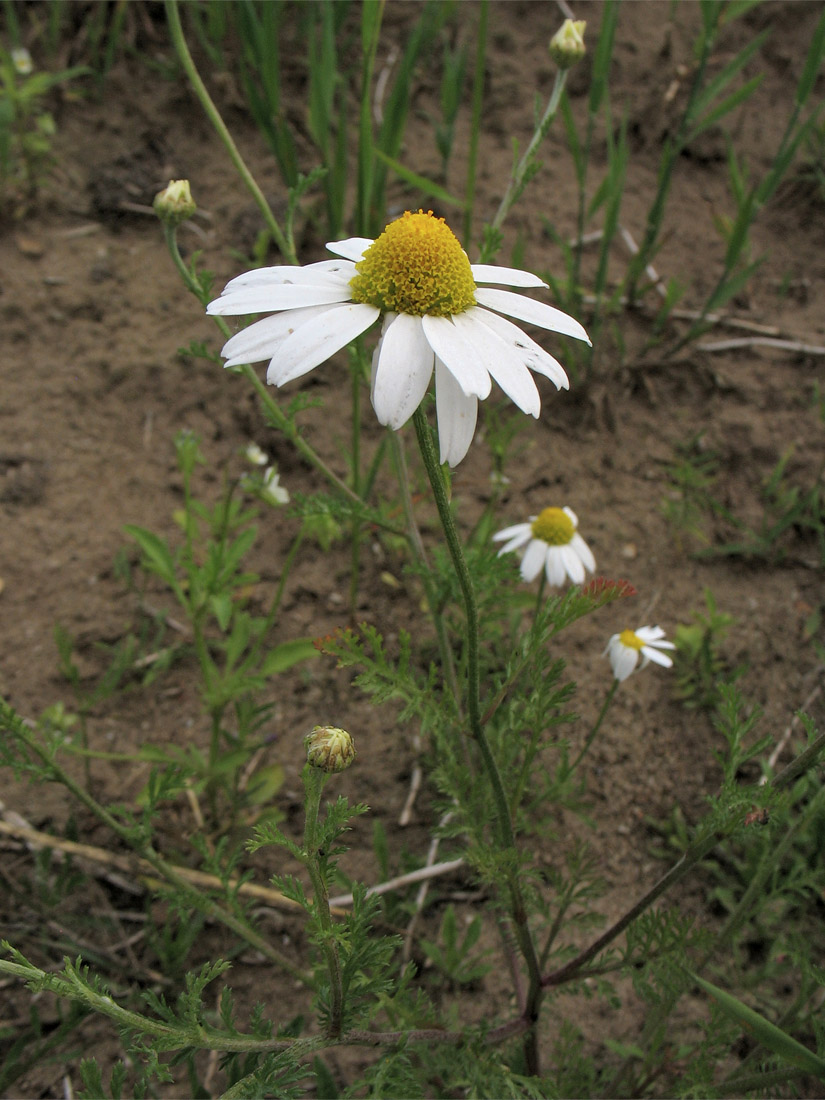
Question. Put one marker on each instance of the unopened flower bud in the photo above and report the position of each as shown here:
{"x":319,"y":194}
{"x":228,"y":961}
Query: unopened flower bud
{"x":329,"y":748}
{"x":174,"y":204}
{"x":567,"y":44}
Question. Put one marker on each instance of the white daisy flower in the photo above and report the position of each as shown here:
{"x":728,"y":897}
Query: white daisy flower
{"x":271,"y":489}
{"x":21,"y":59}
{"x":256,"y":455}
{"x":438,"y":317}
{"x":553,"y":543}
{"x":624,"y":649}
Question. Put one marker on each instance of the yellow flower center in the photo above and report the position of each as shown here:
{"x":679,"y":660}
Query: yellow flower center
{"x":630,"y":639}
{"x":553,"y":526}
{"x":416,"y":266}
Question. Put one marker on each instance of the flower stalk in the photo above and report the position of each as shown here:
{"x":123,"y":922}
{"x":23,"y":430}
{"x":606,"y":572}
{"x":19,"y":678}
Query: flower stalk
{"x":591,"y":737}
{"x":285,"y":247}
{"x":314,"y":778}
{"x":504,"y":825}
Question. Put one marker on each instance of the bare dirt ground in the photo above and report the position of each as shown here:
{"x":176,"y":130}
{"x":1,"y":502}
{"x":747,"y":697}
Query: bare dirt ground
{"x":94,"y":391}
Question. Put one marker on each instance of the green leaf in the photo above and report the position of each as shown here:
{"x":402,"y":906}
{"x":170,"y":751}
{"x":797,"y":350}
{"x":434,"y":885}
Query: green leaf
{"x":287,"y":654}
{"x":265,"y":784}
{"x":222,"y":609}
{"x":156,"y":552}
{"x":428,"y":186}
{"x":765,"y":1032}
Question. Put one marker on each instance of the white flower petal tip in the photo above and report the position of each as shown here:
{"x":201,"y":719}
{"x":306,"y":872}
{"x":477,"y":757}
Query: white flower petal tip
{"x":632,"y":648}
{"x":448,"y":320}
{"x":552,"y":543}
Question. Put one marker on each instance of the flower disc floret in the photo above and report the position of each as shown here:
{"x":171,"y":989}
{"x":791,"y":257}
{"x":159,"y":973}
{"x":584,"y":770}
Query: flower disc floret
{"x":553,"y":526}
{"x":417,"y":267}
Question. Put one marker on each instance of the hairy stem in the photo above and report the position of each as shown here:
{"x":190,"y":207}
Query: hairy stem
{"x":504,"y":825}
{"x":314,"y":785}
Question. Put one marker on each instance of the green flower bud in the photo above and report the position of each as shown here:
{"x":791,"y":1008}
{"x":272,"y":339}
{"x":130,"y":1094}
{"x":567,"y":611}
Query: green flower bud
{"x":174,"y":204}
{"x":567,"y":44}
{"x":329,"y":748}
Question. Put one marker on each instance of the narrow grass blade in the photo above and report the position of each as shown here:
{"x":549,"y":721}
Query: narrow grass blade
{"x":765,"y":1032}
{"x":427,"y":186}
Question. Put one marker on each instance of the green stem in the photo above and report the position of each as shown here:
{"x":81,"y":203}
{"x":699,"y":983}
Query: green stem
{"x":269,"y":622}
{"x":313,"y":785}
{"x":504,"y":825}
{"x":608,"y":699}
{"x":198,"y":86}
{"x":517,"y":182}
{"x":356,"y":530}
{"x":417,"y":544}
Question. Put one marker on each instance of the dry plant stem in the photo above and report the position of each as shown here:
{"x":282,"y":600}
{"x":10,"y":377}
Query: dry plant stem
{"x":786,"y":736}
{"x":430,"y":871}
{"x":166,"y":870}
{"x":313,"y":786}
{"x":694,"y":854}
{"x":423,"y":889}
{"x":143,"y":870}
{"x":198,"y":86}
{"x":504,"y":826}
{"x":763,"y":342}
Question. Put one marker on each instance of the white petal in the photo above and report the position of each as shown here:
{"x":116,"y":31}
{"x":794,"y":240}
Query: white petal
{"x":650,"y":633}
{"x":334,"y":271}
{"x":457,"y":355}
{"x":515,"y":543}
{"x":353,"y":248}
{"x":501,"y":361}
{"x":555,"y":568}
{"x":403,"y":368}
{"x":535,"y":313}
{"x":533,"y":355}
{"x":534,"y":559}
{"x":261,"y":339}
{"x":519,"y":530}
{"x":624,"y":661}
{"x":580,"y":547}
{"x":313,"y":343}
{"x":572,"y":563}
{"x":505,"y":276}
{"x":456,"y":413}
{"x":268,"y":299}
{"x":655,"y":656}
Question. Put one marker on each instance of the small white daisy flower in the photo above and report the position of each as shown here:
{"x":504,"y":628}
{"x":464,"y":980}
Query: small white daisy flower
{"x":624,"y":649}
{"x":438,"y":318}
{"x":553,"y":543}
{"x":21,"y":59}
{"x":255,"y":455}
{"x":271,"y":490}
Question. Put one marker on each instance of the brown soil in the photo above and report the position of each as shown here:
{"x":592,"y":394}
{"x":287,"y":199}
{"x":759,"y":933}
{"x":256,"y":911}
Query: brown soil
{"x":94,"y":391}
